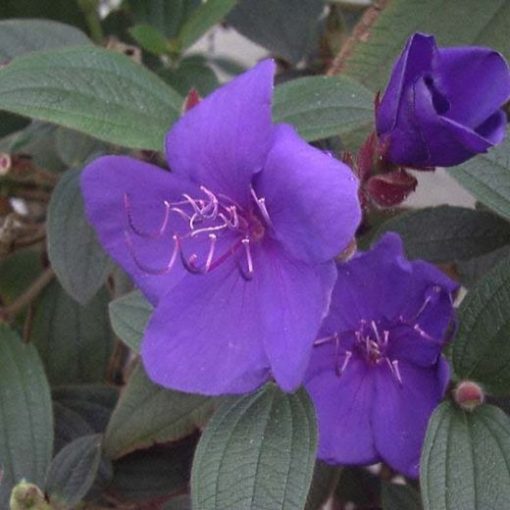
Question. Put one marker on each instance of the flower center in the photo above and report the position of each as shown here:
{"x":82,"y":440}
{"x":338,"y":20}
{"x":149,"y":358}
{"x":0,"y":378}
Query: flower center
{"x":370,"y":344}
{"x":203,"y":222}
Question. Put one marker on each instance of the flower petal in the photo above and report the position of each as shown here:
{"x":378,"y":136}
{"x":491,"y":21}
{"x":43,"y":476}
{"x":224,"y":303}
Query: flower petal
{"x":448,"y":142}
{"x":476,"y":82}
{"x":343,"y":405}
{"x":414,"y":60}
{"x":224,"y":140}
{"x":311,"y":198}
{"x":105,"y":183}
{"x":220,"y":333}
{"x":294,"y":298}
{"x":205,"y":336}
{"x":401,"y":411}
{"x":370,"y":286}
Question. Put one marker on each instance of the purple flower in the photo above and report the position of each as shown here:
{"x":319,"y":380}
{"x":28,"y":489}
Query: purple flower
{"x":234,"y":247}
{"x":377,"y":372}
{"x":442,"y":105}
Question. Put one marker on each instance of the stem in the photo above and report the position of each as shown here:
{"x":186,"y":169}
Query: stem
{"x":89,"y":9}
{"x":7,"y":313}
{"x":360,"y":33}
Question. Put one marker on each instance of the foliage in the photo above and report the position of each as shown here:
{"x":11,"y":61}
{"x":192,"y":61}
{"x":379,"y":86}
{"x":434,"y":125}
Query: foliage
{"x":81,"y":424}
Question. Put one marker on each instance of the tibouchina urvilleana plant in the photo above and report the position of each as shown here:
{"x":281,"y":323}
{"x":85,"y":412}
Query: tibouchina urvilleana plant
{"x":217,"y":296}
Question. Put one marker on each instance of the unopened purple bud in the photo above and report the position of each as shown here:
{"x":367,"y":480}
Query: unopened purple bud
{"x":442,"y":106}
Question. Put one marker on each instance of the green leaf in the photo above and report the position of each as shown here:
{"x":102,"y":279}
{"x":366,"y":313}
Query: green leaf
{"x":446,"y":234}
{"x":471,"y":271}
{"x":69,"y":425}
{"x":465,"y":462}
{"x":167,"y":16}
{"x":93,"y":402}
{"x":74,"y":341}
{"x":481,"y":350}
{"x":258,"y":451}
{"x":324,"y":480}
{"x":60,"y":10}
{"x":202,"y":19}
{"x":19,"y":36}
{"x":38,"y":140}
{"x":147,"y":414}
{"x":288,"y":28}
{"x":76,"y":256}
{"x":10,"y":123}
{"x":155,"y":474}
{"x":92,"y":90}
{"x":149,"y":39}
{"x":194,"y":73}
{"x":487,"y":178}
{"x":453,"y":22}
{"x":400,"y":497}
{"x":17,"y":272}
{"x":321,"y":106}
{"x":129,"y":315}
{"x":73,"y":470}
{"x":75,"y":148}
{"x":26,"y":421}
{"x":179,"y":503}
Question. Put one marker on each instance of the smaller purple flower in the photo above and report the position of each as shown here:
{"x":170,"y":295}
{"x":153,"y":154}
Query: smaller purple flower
{"x":442,"y":106}
{"x":377,"y":371}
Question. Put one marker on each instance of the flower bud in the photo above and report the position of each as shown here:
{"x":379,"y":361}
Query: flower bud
{"x":468,"y":395}
{"x":27,"y":496}
{"x":442,"y":106}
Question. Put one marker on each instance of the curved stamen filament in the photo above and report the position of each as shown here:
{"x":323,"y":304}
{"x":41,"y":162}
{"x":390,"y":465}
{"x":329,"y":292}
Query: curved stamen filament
{"x":141,"y":233}
{"x":248,"y":275}
{"x":149,"y":270}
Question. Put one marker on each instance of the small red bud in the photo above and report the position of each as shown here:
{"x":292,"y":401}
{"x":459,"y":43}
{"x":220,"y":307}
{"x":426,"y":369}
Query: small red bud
{"x":192,"y":99}
{"x":468,"y":395}
{"x":391,"y":189}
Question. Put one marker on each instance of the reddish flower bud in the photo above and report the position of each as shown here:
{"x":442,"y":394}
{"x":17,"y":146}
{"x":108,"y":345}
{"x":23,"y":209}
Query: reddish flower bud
{"x":391,"y":189}
{"x":468,"y":395}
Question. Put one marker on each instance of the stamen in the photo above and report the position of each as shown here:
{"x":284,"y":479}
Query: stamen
{"x":149,"y":270}
{"x":326,"y":339}
{"x":179,"y":211}
{"x":394,"y":369}
{"x":194,"y":204}
{"x":375,"y":330}
{"x":207,"y":229}
{"x":347,"y":358}
{"x":213,"y":203}
{"x":147,"y":235}
{"x":248,"y":275}
{"x":423,"y":333}
{"x":210,"y":255}
{"x":261,"y":203}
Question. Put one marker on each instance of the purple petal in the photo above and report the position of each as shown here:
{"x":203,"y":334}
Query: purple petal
{"x":401,"y":411}
{"x":370,"y":286}
{"x":105,"y":183}
{"x":294,"y":298}
{"x":311,"y":198}
{"x":414,"y":60}
{"x":206,"y":336}
{"x":475,"y":80}
{"x":224,"y":140}
{"x":448,"y":142}
{"x":343,"y":405}
{"x":220,"y":333}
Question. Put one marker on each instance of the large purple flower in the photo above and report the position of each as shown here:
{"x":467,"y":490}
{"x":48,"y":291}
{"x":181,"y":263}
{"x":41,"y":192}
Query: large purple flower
{"x":442,"y":105}
{"x":234,"y":246}
{"x":377,"y":372}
